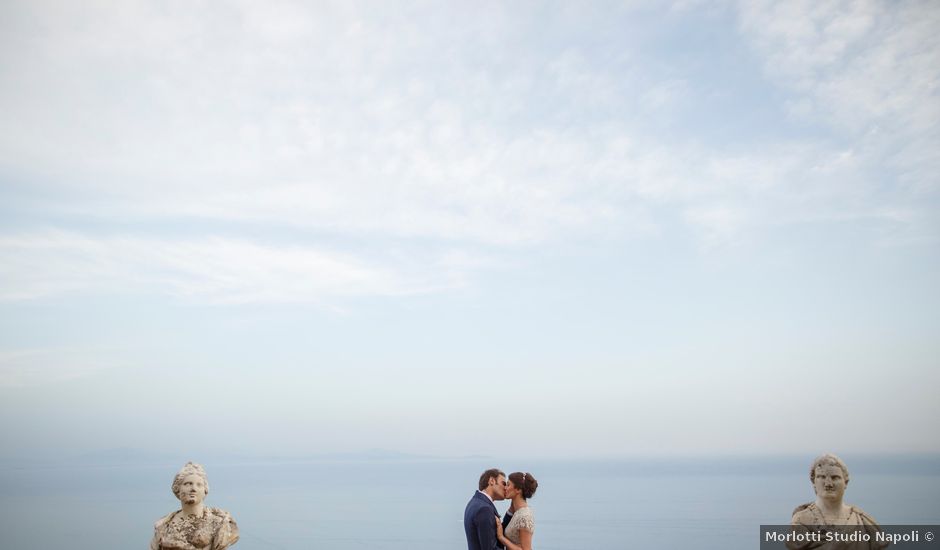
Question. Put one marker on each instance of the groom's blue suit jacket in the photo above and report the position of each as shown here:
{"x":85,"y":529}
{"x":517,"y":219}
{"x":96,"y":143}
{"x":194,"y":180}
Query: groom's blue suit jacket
{"x":479,"y":523}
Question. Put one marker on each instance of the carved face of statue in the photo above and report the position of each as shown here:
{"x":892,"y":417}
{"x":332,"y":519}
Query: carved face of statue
{"x":192,"y":489}
{"x":829,"y":482}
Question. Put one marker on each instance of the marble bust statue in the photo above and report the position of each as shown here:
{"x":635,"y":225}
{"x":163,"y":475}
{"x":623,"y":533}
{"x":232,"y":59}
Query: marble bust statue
{"x":830,"y":477}
{"x":194,"y":526}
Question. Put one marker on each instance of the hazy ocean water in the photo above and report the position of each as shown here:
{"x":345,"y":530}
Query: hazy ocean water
{"x":417,"y":504}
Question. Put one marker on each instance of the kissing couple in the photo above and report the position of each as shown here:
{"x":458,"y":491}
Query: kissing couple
{"x":481,"y":521}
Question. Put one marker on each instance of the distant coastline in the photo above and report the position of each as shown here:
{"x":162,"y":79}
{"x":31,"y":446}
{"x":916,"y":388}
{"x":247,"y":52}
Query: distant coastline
{"x":744,"y":464}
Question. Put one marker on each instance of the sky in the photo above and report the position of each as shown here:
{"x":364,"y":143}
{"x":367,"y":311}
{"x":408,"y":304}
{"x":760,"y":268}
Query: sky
{"x":520,"y":229}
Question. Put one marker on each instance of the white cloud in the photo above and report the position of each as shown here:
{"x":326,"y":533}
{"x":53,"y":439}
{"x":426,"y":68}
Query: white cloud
{"x":459,"y":131}
{"x":214,"y":270}
{"x":869,"y":70}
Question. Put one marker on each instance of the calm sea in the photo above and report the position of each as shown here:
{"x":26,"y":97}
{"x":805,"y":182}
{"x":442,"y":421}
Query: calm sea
{"x":418,"y":504}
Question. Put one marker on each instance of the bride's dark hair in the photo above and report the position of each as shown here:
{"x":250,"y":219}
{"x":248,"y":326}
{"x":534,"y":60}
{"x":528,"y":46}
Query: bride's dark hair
{"x":525,"y":482}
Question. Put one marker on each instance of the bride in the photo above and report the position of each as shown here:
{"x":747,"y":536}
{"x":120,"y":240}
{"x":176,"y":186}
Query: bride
{"x":518,"y":532}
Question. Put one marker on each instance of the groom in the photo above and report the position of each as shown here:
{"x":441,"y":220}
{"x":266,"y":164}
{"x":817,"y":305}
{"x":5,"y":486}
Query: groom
{"x":479,"y":518}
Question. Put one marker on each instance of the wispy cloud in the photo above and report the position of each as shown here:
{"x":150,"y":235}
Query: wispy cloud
{"x":213,"y":270}
{"x":869,"y":70}
{"x":467,"y":135}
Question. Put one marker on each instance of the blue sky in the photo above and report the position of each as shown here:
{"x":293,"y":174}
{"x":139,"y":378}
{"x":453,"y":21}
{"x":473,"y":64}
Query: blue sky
{"x":519,"y":229}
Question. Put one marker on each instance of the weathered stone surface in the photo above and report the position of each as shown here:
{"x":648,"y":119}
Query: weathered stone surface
{"x":194,"y":526}
{"x":830,"y":477}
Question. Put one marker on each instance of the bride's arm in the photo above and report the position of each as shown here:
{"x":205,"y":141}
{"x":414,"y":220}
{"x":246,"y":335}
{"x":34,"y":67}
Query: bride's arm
{"x":525,"y":538}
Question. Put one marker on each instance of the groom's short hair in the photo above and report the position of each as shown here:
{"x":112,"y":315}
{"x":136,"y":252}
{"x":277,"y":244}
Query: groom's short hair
{"x":491,"y":473}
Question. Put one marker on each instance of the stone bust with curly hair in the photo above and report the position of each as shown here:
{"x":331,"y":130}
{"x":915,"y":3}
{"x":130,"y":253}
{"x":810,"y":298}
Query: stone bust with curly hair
{"x":194,"y":526}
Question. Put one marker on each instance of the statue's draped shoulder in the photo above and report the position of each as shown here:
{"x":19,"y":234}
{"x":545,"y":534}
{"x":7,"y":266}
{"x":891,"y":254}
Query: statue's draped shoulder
{"x":227,"y":530}
{"x":218,"y":528}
